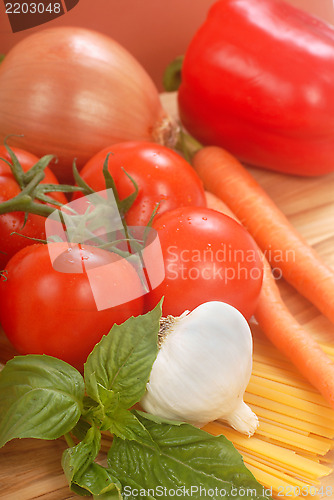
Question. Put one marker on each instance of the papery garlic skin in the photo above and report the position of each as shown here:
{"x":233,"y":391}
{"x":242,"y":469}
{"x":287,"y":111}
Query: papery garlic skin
{"x":203,"y":368}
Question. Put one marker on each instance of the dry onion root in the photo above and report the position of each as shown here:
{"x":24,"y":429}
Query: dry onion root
{"x":73,"y":92}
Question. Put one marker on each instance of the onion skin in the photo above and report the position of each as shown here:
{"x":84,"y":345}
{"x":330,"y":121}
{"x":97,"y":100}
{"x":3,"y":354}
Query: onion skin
{"x":72,"y":92}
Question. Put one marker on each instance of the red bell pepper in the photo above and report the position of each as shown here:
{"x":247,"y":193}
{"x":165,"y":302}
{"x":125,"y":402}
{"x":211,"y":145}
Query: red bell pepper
{"x":258,"y":80}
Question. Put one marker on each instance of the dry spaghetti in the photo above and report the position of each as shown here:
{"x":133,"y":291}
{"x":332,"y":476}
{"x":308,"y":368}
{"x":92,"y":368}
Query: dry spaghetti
{"x":287,"y":453}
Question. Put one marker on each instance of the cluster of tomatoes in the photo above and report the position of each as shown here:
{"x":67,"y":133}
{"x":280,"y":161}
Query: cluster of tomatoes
{"x":206,"y":256}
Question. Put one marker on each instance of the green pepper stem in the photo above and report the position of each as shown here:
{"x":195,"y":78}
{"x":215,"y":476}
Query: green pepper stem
{"x":172,"y":75}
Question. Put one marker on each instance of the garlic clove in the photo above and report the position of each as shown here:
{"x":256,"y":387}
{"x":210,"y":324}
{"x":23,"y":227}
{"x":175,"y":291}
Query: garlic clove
{"x":243,"y":419}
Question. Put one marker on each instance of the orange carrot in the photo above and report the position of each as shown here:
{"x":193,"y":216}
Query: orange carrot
{"x":223,"y":175}
{"x":291,"y":339}
{"x":285,"y":333}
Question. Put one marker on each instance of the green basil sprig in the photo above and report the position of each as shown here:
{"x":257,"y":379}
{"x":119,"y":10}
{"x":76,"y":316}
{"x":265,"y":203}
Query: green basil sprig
{"x":40,"y":397}
{"x":150,"y":457}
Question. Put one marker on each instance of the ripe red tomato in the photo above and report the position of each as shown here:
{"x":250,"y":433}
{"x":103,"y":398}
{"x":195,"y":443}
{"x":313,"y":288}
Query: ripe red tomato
{"x":161,"y":175}
{"x":14,"y":221}
{"x":50,"y":308}
{"x":207,"y":256}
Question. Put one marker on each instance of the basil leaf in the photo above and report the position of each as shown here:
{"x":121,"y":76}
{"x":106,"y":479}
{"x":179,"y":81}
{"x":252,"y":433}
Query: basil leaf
{"x":100,"y":482}
{"x":126,"y":425}
{"x":189,"y":462}
{"x":77,"y":459}
{"x":40,"y":397}
{"x":86,"y":477}
{"x":122,"y":361}
{"x":81,"y":429}
{"x":158,"y":420}
{"x":112,"y":495}
{"x":97,"y":411}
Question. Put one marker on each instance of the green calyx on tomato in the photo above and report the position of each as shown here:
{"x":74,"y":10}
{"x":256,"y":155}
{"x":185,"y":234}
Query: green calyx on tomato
{"x":29,"y":176}
{"x":3,"y":275}
{"x":162,"y":175}
{"x":108,"y":183}
{"x":29,"y":192}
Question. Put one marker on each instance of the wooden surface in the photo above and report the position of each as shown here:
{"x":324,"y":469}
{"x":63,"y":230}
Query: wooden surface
{"x":31,"y":469}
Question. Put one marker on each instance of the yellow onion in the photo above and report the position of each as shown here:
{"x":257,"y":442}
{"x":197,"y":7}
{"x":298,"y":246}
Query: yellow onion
{"x":72,"y":92}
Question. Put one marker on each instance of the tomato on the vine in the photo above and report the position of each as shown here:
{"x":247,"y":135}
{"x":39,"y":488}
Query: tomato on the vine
{"x":14,"y":222}
{"x":162,"y":176}
{"x":50,"y":307}
{"x":207,"y":256}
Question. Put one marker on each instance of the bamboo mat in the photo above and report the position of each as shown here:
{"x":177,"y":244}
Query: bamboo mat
{"x":31,"y":469}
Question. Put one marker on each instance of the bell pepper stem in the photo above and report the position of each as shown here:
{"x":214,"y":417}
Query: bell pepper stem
{"x":172,"y":75}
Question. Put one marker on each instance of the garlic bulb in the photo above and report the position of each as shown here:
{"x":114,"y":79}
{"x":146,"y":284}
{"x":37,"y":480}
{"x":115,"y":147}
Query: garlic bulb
{"x":203,"y":368}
